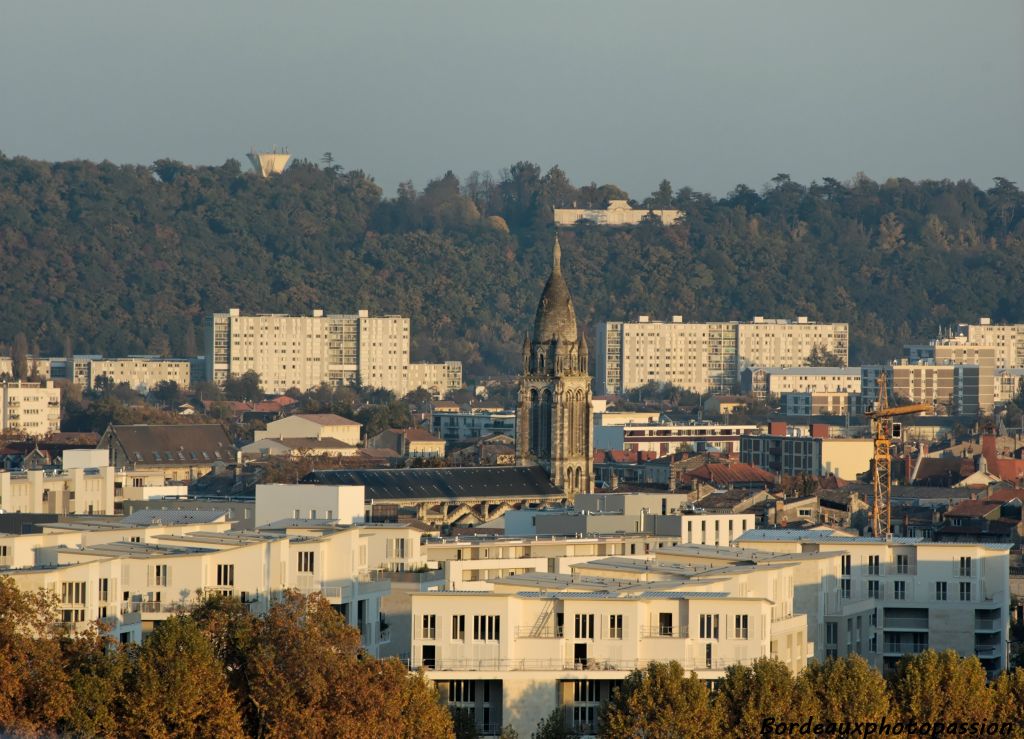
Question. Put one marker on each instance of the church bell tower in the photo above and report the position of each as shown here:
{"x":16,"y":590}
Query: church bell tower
{"x":554,"y":419}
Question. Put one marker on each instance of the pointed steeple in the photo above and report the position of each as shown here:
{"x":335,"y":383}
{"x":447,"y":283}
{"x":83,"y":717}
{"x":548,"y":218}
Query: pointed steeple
{"x":556,"y":319}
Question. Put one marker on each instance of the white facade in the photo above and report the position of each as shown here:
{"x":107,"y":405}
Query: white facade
{"x":923,"y":594}
{"x":438,"y":378}
{"x":618,"y":213}
{"x":306,"y":351}
{"x":781,"y":380}
{"x":534,"y":642}
{"x":474,"y":424}
{"x":334,"y":503}
{"x":131,"y":584}
{"x":707,"y":357}
{"x":141,"y":373}
{"x":312,"y":426}
{"x":73,"y":489}
{"x":665,"y":438}
{"x":30,"y":408}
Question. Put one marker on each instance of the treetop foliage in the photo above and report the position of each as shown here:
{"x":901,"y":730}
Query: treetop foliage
{"x":127,"y":259}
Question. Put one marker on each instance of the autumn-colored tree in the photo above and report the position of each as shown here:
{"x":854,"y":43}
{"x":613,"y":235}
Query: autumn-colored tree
{"x":96,"y":672}
{"x":844,"y":689}
{"x":176,"y":687}
{"x":933,"y":686}
{"x":19,"y":357}
{"x":34,"y":694}
{"x":660,"y":700}
{"x":553,"y":726}
{"x":1008,"y":693}
{"x":749,"y":694}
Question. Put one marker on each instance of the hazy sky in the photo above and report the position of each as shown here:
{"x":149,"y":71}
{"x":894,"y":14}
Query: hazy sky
{"x":707,"y":94}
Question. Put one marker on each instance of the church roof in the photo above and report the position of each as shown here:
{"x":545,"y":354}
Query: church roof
{"x":556,"y":318}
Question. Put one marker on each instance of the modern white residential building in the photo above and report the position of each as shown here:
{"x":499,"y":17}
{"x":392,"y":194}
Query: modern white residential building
{"x":472,"y":424}
{"x":534,"y":642}
{"x":779,"y":380}
{"x":84,"y":484}
{"x":925,"y":594}
{"x":1006,"y":339}
{"x":707,"y":357}
{"x":135,"y":581}
{"x":30,"y":408}
{"x":305,"y":351}
{"x":342,"y":504}
{"x":665,"y":438}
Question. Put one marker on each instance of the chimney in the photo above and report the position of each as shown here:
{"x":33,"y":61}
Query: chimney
{"x":988,"y":448}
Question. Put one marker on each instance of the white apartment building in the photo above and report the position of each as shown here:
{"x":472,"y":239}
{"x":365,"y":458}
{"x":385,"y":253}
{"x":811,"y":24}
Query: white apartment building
{"x":983,"y":357}
{"x":30,"y":408}
{"x":141,"y":373}
{"x":779,"y":380}
{"x":305,"y":351}
{"x":1006,"y":339}
{"x":132,"y":584}
{"x":438,"y":378}
{"x":472,"y":424}
{"x":954,"y":389}
{"x":84,"y":484}
{"x":923,"y":594}
{"x":665,"y":438}
{"x":535,"y":642}
{"x":37,"y":366}
{"x":707,"y":357}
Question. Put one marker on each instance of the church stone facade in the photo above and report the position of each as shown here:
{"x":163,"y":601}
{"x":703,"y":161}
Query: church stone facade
{"x":554,"y":419}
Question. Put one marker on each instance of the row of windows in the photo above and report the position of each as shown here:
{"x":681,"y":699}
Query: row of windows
{"x":485,"y":628}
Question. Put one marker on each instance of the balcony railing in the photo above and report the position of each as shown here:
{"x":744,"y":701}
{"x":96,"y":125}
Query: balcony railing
{"x":900,"y":648}
{"x":986,"y":624}
{"x":905,"y":623}
{"x":647,"y":632}
{"x":544,"y":632}
{"x":592,"y":664}
{"x":987,"y":651}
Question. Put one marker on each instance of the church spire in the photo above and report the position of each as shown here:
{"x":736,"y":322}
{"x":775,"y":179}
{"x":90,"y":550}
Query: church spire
{"x":556,"y":260}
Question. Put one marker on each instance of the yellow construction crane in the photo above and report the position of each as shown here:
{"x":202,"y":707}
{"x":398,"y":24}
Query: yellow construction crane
{"x":883,"y":430}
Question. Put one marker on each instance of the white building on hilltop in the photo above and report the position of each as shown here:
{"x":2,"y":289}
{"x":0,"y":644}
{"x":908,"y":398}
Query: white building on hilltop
{"x":618,"y":213}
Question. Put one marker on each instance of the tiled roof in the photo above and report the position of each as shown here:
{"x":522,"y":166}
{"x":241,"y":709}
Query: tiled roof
{"x":973,"y":508}
{"x":444,"y":484}
{"x":160,"y":445}
{"x":327,"y":419}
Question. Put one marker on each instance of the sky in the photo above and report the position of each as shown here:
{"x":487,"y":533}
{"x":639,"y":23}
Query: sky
{"x":705,"y":94}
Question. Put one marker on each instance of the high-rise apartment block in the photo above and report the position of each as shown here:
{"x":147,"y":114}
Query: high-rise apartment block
{"x":1007,"y":340}
{"x":708,"y":357}
{"x":305,"y":351}
{"x":31,"y":408}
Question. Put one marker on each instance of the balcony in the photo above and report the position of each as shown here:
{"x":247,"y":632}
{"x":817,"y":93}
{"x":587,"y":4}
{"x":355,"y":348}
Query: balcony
{"x":898,"y":649}
{"x":987,"y":624}
{"x":549,"y":631}
{"x":650,"y":632}
{"x":987,"y":651}
{"x":903,"y":623}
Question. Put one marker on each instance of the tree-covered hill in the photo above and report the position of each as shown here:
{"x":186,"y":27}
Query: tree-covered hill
{"x":127,"y":259}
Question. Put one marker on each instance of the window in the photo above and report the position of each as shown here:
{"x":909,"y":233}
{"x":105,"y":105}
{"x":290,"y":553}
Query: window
{"x":459,"y":628}
{"x":899,"y":590}
{"x":845,"y":588}
{"x":615,"y":626}
{"x":873,"y":566}
{"x":487,"y":628}
{"x":226,"y":575}
{"x":306,"y":561}
{"x":160,"y":575}
{"x":846,"y":565}
{"x":584,"y":626}
{"x":586,"y":701}
{"x":940,"y":591}
{"x":965,"y":591}
{"x":104,"y":591}
{"x":831,"y":633}
{"x":429,"y":626}
{"x":709,"y":626}
{"x":965,"y":567}
{"x":902,"y":564}
{"x":742,"y":631}
{"x":873,"y":589}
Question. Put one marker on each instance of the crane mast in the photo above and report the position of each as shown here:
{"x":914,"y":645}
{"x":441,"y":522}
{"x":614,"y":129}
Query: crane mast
{"x":882,"y":427}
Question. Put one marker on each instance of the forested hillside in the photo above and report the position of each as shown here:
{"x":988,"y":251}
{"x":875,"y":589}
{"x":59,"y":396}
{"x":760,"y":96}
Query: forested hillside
{"x":127,"y":259}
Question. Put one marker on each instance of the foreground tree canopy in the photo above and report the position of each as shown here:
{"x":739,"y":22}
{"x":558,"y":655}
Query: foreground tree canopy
{"x":219,"y":671}
{"x":127,"y":259}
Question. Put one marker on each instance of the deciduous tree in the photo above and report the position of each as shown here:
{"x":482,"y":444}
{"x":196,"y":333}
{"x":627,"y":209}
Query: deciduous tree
{"x":660,"y":700}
